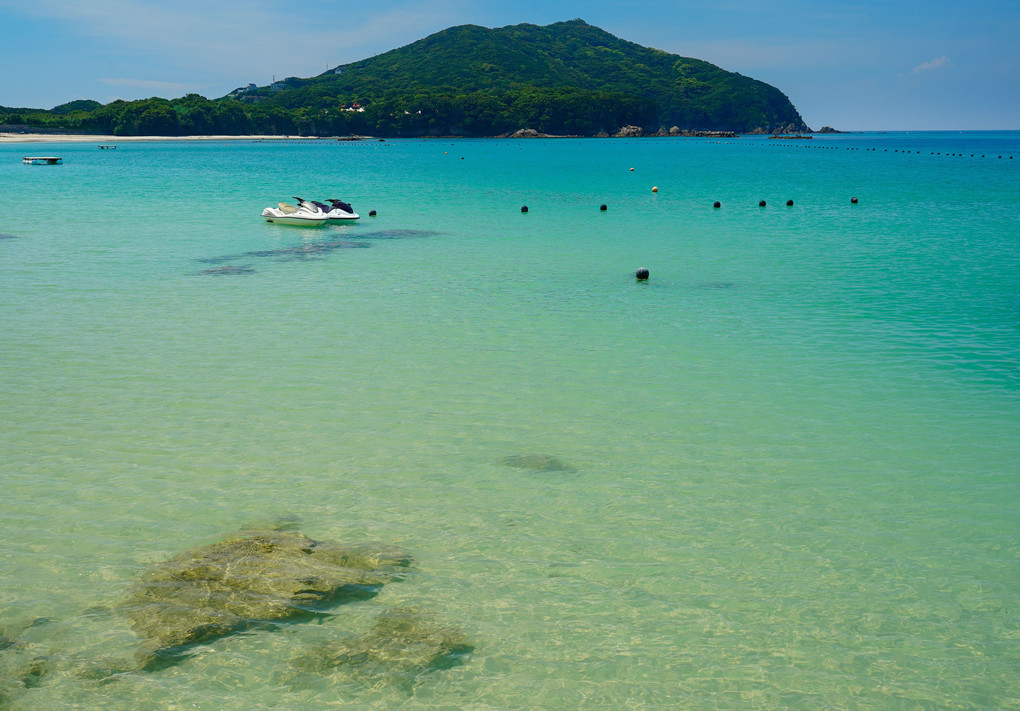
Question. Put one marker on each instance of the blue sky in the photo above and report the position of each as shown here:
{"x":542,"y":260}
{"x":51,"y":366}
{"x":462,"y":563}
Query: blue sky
{"x":855,"y":65}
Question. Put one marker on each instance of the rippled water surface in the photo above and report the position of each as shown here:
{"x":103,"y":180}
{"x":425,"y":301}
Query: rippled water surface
{"x":780,"y":474}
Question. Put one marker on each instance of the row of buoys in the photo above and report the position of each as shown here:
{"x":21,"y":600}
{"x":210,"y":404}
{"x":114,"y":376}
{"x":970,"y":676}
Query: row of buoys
{"x":603,"y":207}
{"x":795,"y":144}
{"x":762,"y":203}
{"x":783,"y":144}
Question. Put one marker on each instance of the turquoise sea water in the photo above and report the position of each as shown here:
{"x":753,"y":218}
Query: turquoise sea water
{"x":791,"y":458}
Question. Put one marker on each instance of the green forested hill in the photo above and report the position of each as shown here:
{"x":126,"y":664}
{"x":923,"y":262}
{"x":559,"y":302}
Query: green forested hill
{"x":569,"y":77}
{"x":565,"y":78}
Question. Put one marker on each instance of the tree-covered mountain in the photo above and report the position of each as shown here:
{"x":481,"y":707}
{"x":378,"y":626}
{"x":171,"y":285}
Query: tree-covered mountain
{"x":566,"y":78}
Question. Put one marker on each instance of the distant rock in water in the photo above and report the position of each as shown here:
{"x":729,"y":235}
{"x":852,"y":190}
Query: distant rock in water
{"x":827,"y":129}
{"x":246,"y":581}
{"x":537,"y":462}
{"x":404,"y":644}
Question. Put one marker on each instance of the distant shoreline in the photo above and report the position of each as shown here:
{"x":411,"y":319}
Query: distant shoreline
{"x":111,"y":140}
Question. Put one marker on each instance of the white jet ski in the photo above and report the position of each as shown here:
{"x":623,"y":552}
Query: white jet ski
{"x":305,"y":215}
{"x":336,"y":211}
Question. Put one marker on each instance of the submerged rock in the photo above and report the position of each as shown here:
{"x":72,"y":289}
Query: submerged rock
{"x":404,"y":644}
{"x":23,"y":664}
{"x":20,"y":674}
{"x":251,"y":579}
{"x":228,"y":269}
{"x":4,"y":235}
{"x":312,"y":250}
{"x":537,"y":462}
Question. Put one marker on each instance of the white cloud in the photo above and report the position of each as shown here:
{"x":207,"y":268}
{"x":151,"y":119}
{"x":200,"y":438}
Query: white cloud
{"x":933,"y":64}
{"x":249,"y":39}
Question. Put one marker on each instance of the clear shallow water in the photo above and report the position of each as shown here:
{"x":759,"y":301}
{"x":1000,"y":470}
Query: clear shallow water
{"x":793,"y":452}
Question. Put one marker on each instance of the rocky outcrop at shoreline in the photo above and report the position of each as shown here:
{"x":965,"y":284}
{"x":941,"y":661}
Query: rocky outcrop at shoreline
{"x":629,"y":132}
{"x":789,"y":128}
{"x":526,"y":133}
{"x":688,"y":133}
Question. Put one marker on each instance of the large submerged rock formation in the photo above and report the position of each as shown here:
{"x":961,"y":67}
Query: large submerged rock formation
{"x":248,"y":580}
{"x":259,"y":578}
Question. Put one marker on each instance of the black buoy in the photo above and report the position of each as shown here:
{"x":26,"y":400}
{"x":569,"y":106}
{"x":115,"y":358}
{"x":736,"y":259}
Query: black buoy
{"x":524,"y":208}
{"x":641,"y":274}
{"x":853,"y":201}
{"x":603,"y":207}
{"x":717,"y":204}
{"x":371,"y":213}
{"x":761,"y":203}
{"x":789,"y":203}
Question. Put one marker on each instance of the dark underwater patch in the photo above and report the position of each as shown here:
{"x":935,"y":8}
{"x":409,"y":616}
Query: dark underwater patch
{"x":537,"y":462}
{"x":404,"y":645}
{"x":312,"y":250}
{"x":397,"y":234}
{"x":226,"y":270}
{"x":23,"y":664}
{"x":300,"y":252}
{"x":4,"y":235}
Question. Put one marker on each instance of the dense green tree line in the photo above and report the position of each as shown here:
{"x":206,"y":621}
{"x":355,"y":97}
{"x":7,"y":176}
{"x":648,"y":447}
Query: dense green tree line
{"x":421,"y":113}
{"x":190,"y":115}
